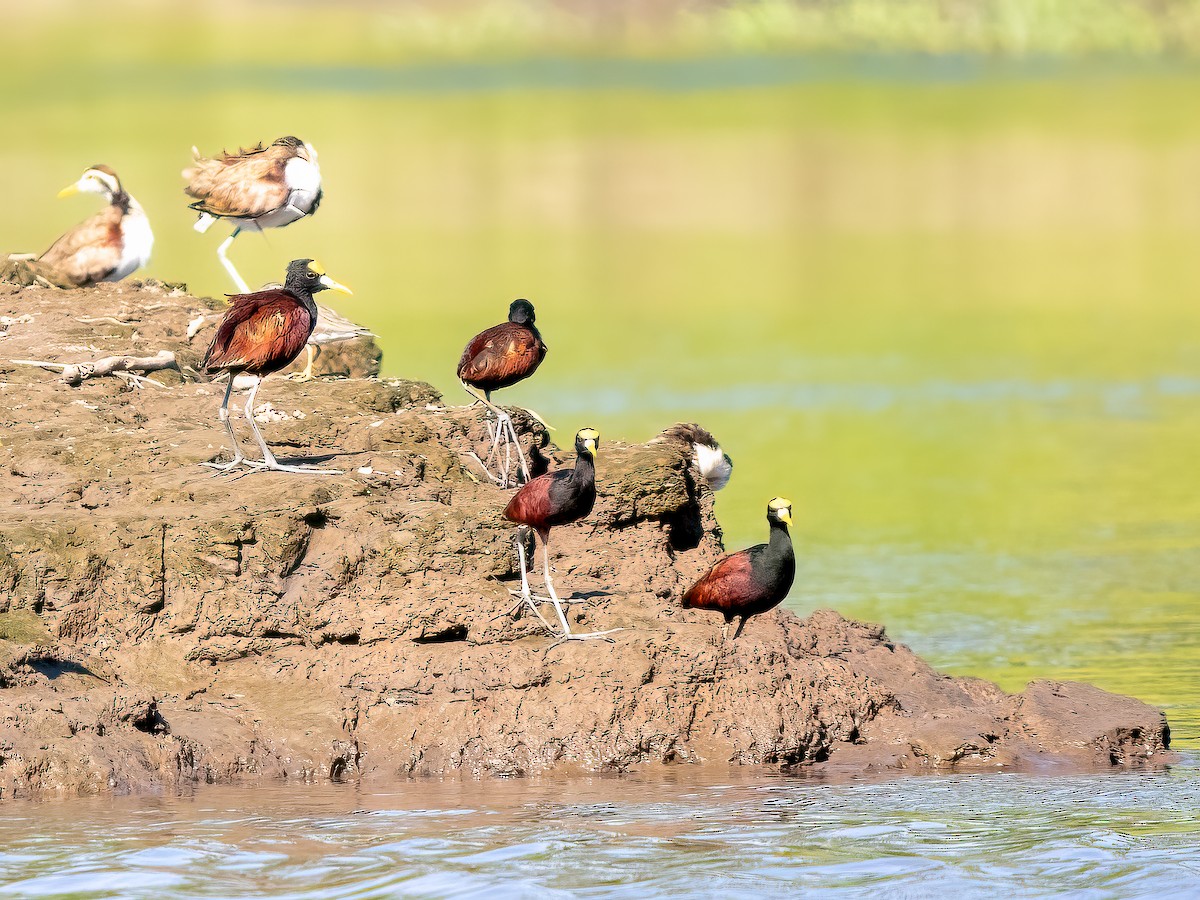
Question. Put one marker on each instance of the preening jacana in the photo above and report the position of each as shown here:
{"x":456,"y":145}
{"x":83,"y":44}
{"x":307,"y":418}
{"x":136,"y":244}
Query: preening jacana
{"x":262,"y":333}
{"x":108,"y":246}
{"x":556,"y":498}
{"x":750,"y":581}
{"x":498,"y":358}
{"x":714,"y":463}
{"x":263,"y":187}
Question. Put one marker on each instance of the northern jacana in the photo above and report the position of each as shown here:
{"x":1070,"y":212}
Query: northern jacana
{"x":332,"y":328}
{"x":714,"y":464}
{"x":556,"y":498}
{"x":498,"y":358}
{"x":750,"y":581}
{"x":263,"y":187}
{"x":108,"y":246}
{"x":262,"y":333}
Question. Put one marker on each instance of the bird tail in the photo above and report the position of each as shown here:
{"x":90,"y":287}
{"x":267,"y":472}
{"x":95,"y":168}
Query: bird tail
{"x":204,"y":222}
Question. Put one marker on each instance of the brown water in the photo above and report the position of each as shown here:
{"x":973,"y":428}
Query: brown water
{"x":693,"y":834}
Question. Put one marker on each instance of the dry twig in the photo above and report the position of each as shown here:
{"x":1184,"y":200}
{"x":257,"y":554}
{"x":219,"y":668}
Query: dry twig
{"x":76,"y":373}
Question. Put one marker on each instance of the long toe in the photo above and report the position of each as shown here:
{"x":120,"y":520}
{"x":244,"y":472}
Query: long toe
{"x":584,"y":636}
{"x":303,"y":470}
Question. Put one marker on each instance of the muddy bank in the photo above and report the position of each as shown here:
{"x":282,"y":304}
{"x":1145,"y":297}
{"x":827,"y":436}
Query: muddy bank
{"x":160,"y":626}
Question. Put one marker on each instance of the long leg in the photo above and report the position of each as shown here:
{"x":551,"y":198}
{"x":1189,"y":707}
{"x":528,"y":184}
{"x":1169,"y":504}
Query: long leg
{"x":307,"y":374}
{"x":494,"y":433}
{"x":567,"y":634}
{"x":228,"y":264}
{"x":741,"y":625}
{"x":269,"y":460}
{"x":506,"y":432}
{"x":238,"y":457}
{"x":526,"y":599}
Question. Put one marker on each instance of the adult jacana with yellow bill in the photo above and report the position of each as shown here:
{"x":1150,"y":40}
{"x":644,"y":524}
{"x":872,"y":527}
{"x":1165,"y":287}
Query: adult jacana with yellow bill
{"x":262,"y":333}
{"x":556,"y":498}
{"x":750,"y":581}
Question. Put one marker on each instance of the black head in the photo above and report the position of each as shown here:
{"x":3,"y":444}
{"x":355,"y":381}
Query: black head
{"x":520,"y":312}
{"x":305,"y":276}
{"x":288,"y":141}
{"x":587,"y":442}
{"x":779,"y":512}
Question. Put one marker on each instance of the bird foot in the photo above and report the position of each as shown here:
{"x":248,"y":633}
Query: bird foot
{"x":230,"y":466}
{"x":300,"y":470}
{"x":567,"y":601}
{"x":301,"y":377}
{"x":585,"y":636}
{"x":524,"y":601}
{"x":502,"y":480}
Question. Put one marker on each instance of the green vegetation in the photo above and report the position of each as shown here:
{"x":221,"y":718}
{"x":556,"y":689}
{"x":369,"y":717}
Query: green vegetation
{"x":373,"y":33}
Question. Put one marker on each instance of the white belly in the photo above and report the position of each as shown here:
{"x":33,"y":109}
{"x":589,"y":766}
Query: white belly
{"x":137,"y":240}
{"x":303,"y":179}
{"x":714,"y":466}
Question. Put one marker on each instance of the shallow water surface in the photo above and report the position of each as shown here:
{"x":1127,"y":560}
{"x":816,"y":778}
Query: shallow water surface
{"x":953,"y":317}
{"x":687,"y":833}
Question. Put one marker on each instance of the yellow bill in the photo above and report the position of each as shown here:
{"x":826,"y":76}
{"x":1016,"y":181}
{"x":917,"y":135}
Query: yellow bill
{"x":333,"y":285}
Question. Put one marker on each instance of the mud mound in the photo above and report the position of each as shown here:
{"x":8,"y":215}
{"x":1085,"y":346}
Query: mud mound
{"x":161,"y":626}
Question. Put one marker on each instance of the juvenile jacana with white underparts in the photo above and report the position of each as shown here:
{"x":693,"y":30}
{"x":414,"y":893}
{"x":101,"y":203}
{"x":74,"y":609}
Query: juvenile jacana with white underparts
{"x":263,"y":187}
{"x":262,"y":333}
{"x":556,"y":498}
{"x":750,"y":581}
{"x":498,"y":358}
{"x":110,"y":245}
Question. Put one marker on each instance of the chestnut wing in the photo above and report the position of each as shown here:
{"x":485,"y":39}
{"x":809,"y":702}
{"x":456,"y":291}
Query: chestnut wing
{"x":240,"y":185}
{"x":725,"y":586}
{"x":531,"y":505}
{"x":90,"y":251}
{"x":501,"y":355}
{"x":261,"y":333}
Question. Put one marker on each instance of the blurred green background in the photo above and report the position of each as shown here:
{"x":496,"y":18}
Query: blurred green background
{"x":927,"y":267}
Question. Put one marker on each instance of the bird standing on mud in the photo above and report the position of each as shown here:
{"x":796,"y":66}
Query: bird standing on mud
{"x":557,"y":498}
{"x":262,"y":333}
{"x":498,"y":358}
{"x":750,"y":581}
{"x":714,"y":463}
{"x":108,"y":246}
{"x":263,"y":187}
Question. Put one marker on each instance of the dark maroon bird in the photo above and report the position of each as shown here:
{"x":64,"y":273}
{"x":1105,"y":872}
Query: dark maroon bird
{"x":262,"y":333}
{"x":556,"y":498}
{"x":498,"y":358}
{"x":750,"y":581}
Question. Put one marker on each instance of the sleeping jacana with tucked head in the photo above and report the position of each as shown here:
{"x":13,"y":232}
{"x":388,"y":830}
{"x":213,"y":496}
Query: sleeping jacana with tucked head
{"x":262,"y":333}
{"x":556,"y":498}
{"x":263,"y":187}
{"x":108,"y":246}
{"x":750,"y":581}
{"x":713,"y":463}
{"x":497,"y":358}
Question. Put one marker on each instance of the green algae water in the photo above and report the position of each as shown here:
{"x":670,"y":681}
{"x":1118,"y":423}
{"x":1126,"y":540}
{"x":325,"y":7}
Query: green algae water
{"x":948,"y":308}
